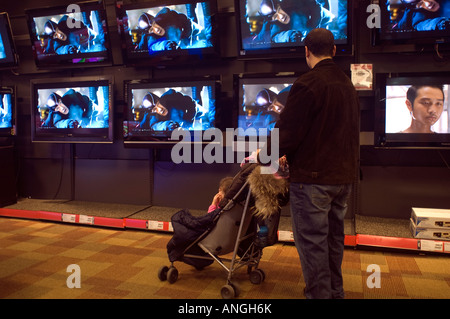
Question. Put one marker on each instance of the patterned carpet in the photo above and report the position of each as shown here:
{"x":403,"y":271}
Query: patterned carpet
{"x":123,"y":264}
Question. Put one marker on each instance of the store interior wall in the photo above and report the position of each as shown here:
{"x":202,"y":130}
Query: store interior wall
{"x":391,"y":181}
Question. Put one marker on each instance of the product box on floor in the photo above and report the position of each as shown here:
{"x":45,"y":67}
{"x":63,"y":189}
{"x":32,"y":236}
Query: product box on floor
{"x":431,"y":217}
{"x":429,"y":233}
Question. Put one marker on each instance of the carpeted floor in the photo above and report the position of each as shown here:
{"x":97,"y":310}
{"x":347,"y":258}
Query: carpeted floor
{"x":116,"y":264}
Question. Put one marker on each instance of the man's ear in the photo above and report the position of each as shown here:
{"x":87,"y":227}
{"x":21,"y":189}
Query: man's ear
{"x":409,"y":105}
{"x":334,"y":51}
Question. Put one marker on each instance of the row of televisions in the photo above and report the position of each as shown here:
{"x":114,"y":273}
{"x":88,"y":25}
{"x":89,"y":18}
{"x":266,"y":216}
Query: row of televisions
{"x":77,"y":110}
{"x":163,"y":30}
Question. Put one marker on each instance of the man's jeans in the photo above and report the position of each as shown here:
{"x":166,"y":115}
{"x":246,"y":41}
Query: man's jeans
{"x":318,"y":213}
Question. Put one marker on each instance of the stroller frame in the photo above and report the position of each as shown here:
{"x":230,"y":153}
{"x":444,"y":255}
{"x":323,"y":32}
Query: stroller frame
{"x":250,"y":258}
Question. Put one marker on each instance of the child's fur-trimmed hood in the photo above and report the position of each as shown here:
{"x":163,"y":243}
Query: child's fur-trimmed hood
{"x":270,"y":193}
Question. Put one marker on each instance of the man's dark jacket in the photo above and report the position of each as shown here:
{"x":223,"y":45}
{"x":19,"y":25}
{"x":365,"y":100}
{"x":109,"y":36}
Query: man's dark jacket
{"x":319,"y":127}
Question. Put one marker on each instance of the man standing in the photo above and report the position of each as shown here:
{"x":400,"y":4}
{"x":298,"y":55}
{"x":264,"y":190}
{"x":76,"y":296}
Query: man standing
{"x":319,"y":134}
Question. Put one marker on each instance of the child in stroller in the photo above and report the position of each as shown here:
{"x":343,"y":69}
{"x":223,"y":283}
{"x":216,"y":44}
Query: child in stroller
{"x":252,"y":199}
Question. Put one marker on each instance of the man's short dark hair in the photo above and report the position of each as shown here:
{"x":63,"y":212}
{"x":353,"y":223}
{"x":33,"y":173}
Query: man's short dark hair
{"x":320,"y":42}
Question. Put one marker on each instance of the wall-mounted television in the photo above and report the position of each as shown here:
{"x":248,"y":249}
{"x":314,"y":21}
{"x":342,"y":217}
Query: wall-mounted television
{"x":277,"y":28}
{"x":164,"y":31}
{"x":74,"y":35}
{"x":260,"y":99}
{"x":8,"y":55}
{"x":415,"y":21}
{"x":412,"y":110}
{"x":72,"y":110}
{"x":157,"y":108}
{"x":7,"y":111}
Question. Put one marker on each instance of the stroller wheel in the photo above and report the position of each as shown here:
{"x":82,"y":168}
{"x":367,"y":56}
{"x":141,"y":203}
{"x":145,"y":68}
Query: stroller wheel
{"x":257,"y":276}
{"x":228,"y":292}
{"x":162,"y":273}
{"x":172,"y":275}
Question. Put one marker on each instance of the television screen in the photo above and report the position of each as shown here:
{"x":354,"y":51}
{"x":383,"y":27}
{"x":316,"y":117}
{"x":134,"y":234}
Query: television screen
{"x":279,"y":27}
{"x":157,"y":108}
{"x":74,"y":35}
{"x":72,"y":110}
{"x":7,"y":111}
{"x":261,"y":98}
{"x":413,"y":111}
{"x":415,"y":20}
{"x":163,"y":30}
{"x":8,"y":56}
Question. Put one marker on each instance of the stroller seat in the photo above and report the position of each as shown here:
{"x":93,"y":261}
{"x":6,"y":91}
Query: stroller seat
{"x":222,"y":238}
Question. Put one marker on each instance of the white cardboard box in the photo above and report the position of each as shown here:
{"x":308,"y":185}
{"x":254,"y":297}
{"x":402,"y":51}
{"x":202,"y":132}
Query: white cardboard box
{"x":429,"y":233}
{"x":431,"y":217}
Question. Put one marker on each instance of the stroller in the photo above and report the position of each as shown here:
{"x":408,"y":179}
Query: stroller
{"x":253,"y":200}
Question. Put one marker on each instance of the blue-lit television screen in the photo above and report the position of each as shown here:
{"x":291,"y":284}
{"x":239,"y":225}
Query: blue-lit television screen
{"x":271,"y":28}
{"x":157,"y":108}
{"x":261,"y":98}
{"x":72,"y":110}
{"x":66,"y":37}
{"x":164,"y":30}
{"x":7,"y":111}
{"x":8,"y":55}
{"x":414,"y":21}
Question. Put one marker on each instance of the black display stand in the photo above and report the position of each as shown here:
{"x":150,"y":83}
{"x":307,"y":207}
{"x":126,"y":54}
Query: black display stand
{"x":8,"y":193}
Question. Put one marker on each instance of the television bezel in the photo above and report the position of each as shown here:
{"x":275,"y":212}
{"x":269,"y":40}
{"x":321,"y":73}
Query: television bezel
{"x":10,"y":131}
{"x":57,"y":135}
{"x":66,"y":60}
{"x":405,"y":140}
{"x":168,"y":56}
{"x":413,"y":37}
{"x":129,"y":85}
{"x":12,"y":58}
{"x":293,"y":51}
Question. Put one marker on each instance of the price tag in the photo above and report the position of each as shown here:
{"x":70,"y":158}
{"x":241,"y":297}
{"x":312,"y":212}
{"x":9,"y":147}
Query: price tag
{"x":69,"y":218}
{"x":84,"y":219}
{"x":155,"y":225}
{"x":431,"y":245}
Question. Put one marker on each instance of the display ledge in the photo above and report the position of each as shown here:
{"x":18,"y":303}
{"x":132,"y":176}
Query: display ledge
{"x":124,"y":223}
{"x":154,"y":218}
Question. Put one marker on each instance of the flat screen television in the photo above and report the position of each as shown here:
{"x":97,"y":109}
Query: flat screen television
{"x":8,"y":54}
{"x":7,"y":111}
{"x":72,"y":110}
{"x":74,"y":35}
{"x":412,"y":110}
{"x":158,"y":108}
{"x":163,"y":31}
{"x":260,"y":99}
{"x":414,"y":21}
{"x":277,"y":28}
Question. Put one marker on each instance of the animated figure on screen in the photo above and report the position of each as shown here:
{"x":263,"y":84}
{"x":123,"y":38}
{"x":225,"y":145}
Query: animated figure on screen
{"x":57,"y":111}
{"x":152,"y":111}
{"x":63,"y":39}
{"x":72,"y":110}
{"x":170,"y":30}
{"x":424,"y":15}
{"x":425,"y":104}
{"x":171,"y":111}
{"x":268,"y":106}
{"x":290,"y":20}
